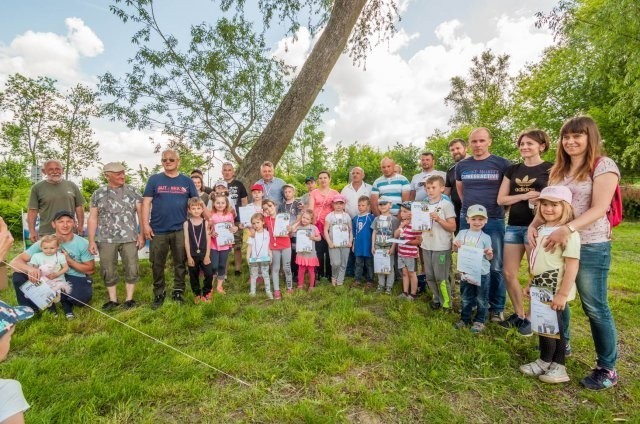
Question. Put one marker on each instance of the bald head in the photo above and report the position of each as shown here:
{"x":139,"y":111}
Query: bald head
{"x":387,"y":166}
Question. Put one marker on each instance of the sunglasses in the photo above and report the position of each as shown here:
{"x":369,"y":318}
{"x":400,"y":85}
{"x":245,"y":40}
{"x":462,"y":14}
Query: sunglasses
{"x":168,"y":160}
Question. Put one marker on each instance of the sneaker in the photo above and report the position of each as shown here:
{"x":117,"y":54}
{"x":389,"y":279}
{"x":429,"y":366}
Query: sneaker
{"x":402,"y":296}
{"x":510,"y":322}
{"x":198,"y":299}
{"x":524,"y":327}
{"x":380,"y":289}
{"x":434,"y":306}
{"x":252,"y":294}
{"x":207,"y":297}
{"x":555,"y":374}
{"x":129,"y":304}
{"x":477,"y":327}
{"x":110,"y":306}
{"x":410,"y":298}
{"x":388,"y":291}
{"x":70,"y":316}
{"x":270,"y":295}
{"x":220,"y":290}
{"x":277,"y":295}
{"x":289,"y":291}
{"x":535,"y":368}
{"x":460,"y":325}
{"x":158,"y":301}
{"x":178,"y":297}
{"x":356,"y":285}
{"x":600,"y":379}
{"x":567,"y":350}
{"x":496,"y":316}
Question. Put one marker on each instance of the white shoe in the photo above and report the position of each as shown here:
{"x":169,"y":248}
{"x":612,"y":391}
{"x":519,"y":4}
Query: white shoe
{"x":535,"y":368}
{"x":555,"y":374}
{"x":270,"y":295}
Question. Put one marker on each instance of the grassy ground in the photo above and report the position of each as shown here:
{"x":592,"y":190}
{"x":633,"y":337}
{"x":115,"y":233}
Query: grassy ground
{"x":328,"y":356}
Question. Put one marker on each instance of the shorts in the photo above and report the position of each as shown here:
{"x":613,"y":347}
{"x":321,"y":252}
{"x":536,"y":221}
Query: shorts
{"x":516,"y":234}
{"x":109,"y":262}
{"x":409,"y":263}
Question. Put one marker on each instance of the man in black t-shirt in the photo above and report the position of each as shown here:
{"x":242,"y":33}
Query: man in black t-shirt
{"x":458,"y":150}
{"x":237,"y":198}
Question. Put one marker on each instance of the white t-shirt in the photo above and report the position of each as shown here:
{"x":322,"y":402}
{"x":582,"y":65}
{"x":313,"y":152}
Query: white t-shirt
{"x":419,"y":180}
{"x":259,"y":244}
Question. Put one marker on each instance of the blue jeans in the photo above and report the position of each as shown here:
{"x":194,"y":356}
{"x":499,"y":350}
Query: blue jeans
{"x":591,"y":283}
{"x":495,"y":229}
{"x":473,"y":295}
{"x":81,"y":289}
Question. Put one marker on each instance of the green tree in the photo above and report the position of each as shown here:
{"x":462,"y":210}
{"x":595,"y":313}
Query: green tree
{"x":346,"y":156}
{"x":307,"y":153}
{"x":407,"y":157}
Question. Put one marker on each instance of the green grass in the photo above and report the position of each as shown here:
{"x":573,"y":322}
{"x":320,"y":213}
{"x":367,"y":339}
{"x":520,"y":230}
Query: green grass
{"x":327,"y":356}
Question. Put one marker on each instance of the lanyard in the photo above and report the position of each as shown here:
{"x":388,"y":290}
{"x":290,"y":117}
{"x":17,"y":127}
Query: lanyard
{"x":255,"y":238}
{"x":464,"y":241}
{"x":358,"y":221}
{"x":199,"y":237}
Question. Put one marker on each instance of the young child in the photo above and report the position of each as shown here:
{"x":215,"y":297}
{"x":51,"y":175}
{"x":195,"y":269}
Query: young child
{"x":280,"y":250}
{"x":408,"y":252}
{"x":362,"y":242}
{"x":384,"y":226}
{"x":307,"y":260}
{"x":338,"y":221}
{"x":555,"y":271}
{"x":222,"y":216}
{"x":259,"y":255}
{"x":473,"y":294}
{"x":293,"y":207}
{"x":198,"y":246}
{"x":52,"y":264}
{"x":436,"y":243}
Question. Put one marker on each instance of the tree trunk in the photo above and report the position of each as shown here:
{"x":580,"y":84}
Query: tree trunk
{"x":295,"y":105}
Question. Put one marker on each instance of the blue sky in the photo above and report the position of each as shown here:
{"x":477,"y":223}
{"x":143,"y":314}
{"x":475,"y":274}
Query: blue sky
{"x":398,"y":98}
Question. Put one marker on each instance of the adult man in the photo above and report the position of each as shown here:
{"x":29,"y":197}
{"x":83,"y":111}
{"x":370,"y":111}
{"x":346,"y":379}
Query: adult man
{"x":478,"y":180}
{"x":272,"y":185}
{"x":356,"y":188}
{"x":390,"y":186}
{"x":117,"y":209}
{"x":50,"y":196}
{"x":237,"y":197}
{"x":78,"y":257}
{"x":310,"y":182}
{"x":165,"y":199}
{"x":458,"y":151}
{"x":427,"y":162}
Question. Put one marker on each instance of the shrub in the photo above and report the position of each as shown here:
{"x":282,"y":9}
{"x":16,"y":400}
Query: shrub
{"x":630,"y":202}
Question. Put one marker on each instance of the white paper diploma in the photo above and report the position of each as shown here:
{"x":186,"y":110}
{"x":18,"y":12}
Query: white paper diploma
{"x":340,"y":235}
{"x":303,"y":242}
{"x":280,"y":227}
{"x":470,"y":263}
{"x":381,"y":262}
{"x":544,"y":320}
{"x":246,"y":212}
{"x":225,"y":236}
{"x":41,"y":295}
{"x":420,"y":218}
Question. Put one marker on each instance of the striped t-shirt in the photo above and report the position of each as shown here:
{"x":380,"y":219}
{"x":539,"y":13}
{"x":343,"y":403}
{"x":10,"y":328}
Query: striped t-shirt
{"x":406,"y":250}
{"x":391,"y":189}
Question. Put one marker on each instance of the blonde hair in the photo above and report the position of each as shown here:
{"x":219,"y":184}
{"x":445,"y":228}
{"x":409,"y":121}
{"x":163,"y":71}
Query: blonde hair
{"x":227,"y":208}
{"x":309,"y":214}
{"x":257,"y":216}
{"x":49,"y":238}
{"x":567,"y":211}
{"x":562,"y":166}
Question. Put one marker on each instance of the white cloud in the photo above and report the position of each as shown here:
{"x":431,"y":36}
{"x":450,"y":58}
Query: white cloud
{"x":48,"y":54}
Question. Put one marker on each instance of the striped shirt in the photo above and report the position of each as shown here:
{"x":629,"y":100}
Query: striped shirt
{"x":391,"y":189}
{"x":406,"y":250}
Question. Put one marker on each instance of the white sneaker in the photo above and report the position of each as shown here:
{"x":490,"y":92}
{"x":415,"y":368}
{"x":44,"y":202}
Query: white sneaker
{"x":496,"y":316}
{"x":535,"y":368}
{"x":555,"y":374}
{"x":270,"y":295}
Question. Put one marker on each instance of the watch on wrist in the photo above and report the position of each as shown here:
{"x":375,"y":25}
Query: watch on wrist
{"x":571,"y":228}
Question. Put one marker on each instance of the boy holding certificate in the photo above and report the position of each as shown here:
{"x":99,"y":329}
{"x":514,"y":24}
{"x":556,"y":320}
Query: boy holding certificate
{"x":383,"y":228}
{"x":474,"y":254}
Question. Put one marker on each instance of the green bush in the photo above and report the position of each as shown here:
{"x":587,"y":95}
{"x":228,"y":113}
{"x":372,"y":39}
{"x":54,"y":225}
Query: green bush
{"x":630,"y":202}
{"x":11,"y":213}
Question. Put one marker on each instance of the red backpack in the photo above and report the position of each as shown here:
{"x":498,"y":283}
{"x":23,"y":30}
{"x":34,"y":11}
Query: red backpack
{"x":614,"y":213}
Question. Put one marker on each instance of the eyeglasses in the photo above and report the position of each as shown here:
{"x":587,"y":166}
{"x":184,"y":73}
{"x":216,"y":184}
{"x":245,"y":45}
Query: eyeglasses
{"x":168,"y":160}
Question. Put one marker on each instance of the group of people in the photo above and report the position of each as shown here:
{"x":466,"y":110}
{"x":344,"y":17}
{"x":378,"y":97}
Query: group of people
{"x":553,"y":218}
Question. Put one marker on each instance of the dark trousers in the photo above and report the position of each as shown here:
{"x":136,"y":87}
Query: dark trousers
{"x":81,"y":291}
{"x":294,"y":265}
{"x":322,"y":250}
{"x":194,"y":277}
{"x":364,"y":266}
{"x":552,"y":350}
{"x":159,"y":248}
{"x":351,"y":265}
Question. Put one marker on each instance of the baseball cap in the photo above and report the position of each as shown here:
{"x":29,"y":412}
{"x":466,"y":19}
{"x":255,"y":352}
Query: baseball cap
{"x":406,"y":205}
{"x":477,"y":210}
{"x":289,"y":185}
{"x":10,"y":315}
{"x":257,"y":187}
{"x":556,"y":194}
{"x":309,"y":178}
{"x":113,"y":167}
{"x":62,"y":213}
{"x":383,"y":201}
{"x":222,"y":183}
{"x":339,"y":198}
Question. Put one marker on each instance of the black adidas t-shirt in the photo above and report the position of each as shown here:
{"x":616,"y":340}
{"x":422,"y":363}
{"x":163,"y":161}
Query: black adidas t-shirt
{"x":522,"y":180}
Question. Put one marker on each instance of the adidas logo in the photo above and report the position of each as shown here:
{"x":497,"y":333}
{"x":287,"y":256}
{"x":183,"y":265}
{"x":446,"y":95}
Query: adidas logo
{"x":525,"y":182}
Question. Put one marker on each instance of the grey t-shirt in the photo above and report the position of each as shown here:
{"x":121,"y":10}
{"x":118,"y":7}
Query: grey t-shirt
{"x":48,"y":198}
{"x":438,"y":239}
{"x":384,"y":227}
{"x":116,"y":213}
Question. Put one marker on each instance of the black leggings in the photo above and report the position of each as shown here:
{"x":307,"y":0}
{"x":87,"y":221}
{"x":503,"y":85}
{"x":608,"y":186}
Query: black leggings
{"x":553,"y":350}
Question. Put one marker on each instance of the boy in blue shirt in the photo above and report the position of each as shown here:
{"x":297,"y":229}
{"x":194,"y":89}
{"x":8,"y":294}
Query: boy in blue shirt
{"x":362,"y":242}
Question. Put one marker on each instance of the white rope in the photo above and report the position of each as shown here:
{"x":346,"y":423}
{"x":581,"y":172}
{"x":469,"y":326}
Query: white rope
{"x":152,"y":338}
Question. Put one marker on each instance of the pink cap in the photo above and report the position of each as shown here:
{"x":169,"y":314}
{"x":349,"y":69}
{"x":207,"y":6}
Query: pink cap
{"x":257,"y":187}
{"x":339,"y":198}
{"x":556,"y":194}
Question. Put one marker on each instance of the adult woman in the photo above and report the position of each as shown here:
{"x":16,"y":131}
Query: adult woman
{"x":320,"y":202}
{"x":580,"y":166}
{"x":197,"y":180}
{"x":521,"y":184}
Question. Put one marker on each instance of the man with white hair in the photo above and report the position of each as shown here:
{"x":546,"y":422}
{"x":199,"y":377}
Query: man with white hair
{"x":356,"y":188}
{"x":51,"y":195}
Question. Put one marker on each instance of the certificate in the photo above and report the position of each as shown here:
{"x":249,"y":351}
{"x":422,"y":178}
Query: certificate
{"x":280,"y":226}
{"x":246,"y":212}
{"x":41,"y":295}
{"x":381,"y":262}
{"x":470,"y":263}
{"x":544,"y":320}
{"x":420,"y":218}
{"x":303,"y":242}
{"x":340,"y":235}
{"x":225,"y":236}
